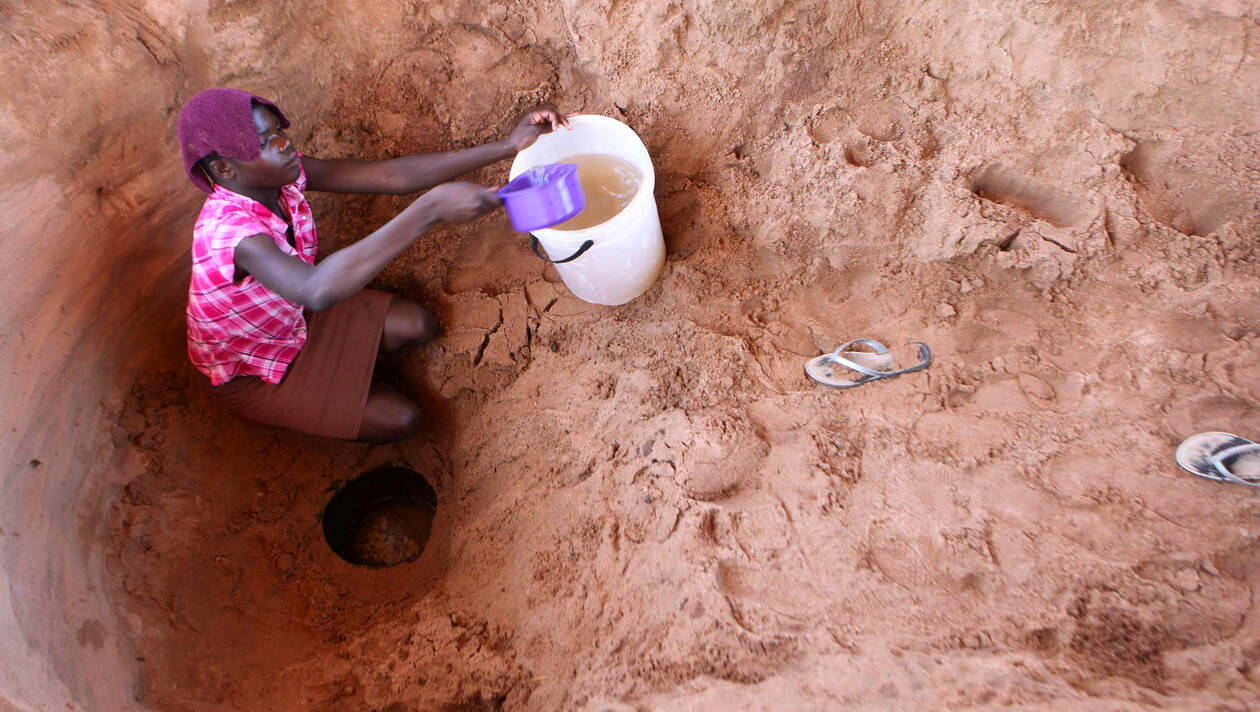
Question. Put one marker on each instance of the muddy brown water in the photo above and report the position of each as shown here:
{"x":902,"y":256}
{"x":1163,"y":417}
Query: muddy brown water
{"x":609,"y":183}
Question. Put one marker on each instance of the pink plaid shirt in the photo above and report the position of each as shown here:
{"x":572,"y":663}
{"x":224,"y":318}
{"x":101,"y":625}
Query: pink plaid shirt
{"x":243,"y":328}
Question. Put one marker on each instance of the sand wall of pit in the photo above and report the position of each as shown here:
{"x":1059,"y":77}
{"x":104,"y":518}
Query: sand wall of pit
{"x":790,"y":138}
{"x":95,"y":219}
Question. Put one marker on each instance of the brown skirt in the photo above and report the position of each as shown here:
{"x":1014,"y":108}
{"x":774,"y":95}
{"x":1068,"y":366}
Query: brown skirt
{"x":325,"y":389}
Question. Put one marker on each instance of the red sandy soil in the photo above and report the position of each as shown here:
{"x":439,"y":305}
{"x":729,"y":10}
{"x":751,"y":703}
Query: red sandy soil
{"x":650,"y":506}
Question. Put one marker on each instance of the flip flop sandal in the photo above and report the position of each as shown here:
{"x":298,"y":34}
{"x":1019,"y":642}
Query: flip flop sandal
{"x":1217,"y":456}
{"x":869,"y":365}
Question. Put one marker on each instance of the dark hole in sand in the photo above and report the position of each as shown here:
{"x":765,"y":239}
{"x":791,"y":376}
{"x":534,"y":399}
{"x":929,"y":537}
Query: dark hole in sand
{"x":381,"y":518}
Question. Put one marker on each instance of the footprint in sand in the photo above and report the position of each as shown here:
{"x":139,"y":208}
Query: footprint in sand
{"x":1002,"y":185}
{"x":1191,"y":334}
{"x":1038,"y":392}
{"x":859,"y":154}
{"x":980,"y":342}
{"x":1077,"y":476}
{"x":1196,"y":415}
{"x":763,"y":602}
{"x":1237,"y":369}
{"x":879,"y":121}
{"x":1191,"y":201}
{"x":723,"y":455}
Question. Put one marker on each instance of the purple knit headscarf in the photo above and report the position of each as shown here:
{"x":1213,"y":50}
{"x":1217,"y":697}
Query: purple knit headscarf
{"x":220,"y":121}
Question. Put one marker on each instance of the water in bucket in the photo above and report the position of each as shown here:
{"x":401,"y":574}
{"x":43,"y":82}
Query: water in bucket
{"x":608,"y":182}
{"x":611,"y":254}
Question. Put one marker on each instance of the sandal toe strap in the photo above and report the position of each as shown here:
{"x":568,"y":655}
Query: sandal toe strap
{"x":1218,"y":461}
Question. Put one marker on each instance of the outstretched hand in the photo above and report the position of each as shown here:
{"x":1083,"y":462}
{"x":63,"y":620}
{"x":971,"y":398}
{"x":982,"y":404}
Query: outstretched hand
{"x":461,"y":202}
{"x":544,"y":119}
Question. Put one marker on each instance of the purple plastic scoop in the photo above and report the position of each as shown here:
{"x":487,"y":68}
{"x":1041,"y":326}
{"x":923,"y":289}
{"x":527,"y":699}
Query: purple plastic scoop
{"x":543,"y":196}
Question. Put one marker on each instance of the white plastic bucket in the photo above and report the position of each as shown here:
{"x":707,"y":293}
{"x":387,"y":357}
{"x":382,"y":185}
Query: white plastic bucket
{"x":627,"y":250}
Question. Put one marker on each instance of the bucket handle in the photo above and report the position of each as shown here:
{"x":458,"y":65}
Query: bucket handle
{"x":533,"y":244}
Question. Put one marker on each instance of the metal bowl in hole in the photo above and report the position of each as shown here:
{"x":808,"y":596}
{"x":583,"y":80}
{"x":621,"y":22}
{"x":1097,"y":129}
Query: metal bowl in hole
{"x":381,"y":518}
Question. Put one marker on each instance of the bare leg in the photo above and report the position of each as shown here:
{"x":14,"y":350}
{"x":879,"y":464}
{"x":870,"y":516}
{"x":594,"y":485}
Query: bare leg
{"x":406,"y":323}
{"x":389,"y":416}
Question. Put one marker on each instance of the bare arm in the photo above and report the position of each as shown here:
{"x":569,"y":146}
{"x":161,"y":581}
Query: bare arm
{"x":346,"y":271}
{"x":398,"y":176}
{"x":409,"y":174}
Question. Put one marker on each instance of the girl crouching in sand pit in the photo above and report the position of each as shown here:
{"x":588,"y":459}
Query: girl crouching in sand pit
{"x":286,"y":341}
